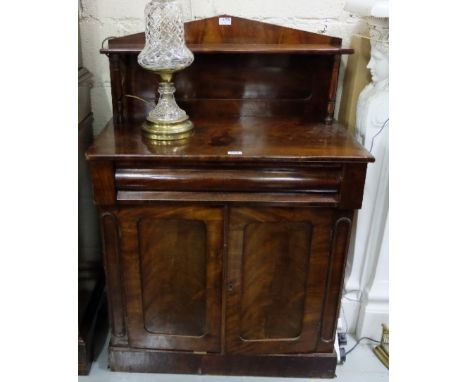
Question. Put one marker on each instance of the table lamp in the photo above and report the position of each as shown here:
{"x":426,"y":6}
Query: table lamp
{"x":165,"y":53}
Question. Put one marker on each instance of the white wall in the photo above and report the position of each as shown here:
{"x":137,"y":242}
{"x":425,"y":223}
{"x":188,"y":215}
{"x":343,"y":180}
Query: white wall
{"x":99,"y":19}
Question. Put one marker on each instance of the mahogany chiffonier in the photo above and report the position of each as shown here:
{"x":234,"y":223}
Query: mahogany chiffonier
{"x":225,"y":252}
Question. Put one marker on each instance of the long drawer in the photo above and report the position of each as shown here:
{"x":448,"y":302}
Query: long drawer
{"x":318,"y":179}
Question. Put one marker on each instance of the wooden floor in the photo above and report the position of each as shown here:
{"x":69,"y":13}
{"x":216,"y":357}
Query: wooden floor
{"x":361,"y":366}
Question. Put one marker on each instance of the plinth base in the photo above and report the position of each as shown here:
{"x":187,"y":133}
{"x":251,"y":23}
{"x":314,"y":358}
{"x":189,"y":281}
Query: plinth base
{"x":164,"y":131}
{"x":151,"y":361}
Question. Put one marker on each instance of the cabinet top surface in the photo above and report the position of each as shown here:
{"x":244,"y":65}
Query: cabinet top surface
{"x":235,"y":139}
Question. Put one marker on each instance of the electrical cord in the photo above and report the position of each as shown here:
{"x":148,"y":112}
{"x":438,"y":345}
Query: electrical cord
{"x":358,"y":341}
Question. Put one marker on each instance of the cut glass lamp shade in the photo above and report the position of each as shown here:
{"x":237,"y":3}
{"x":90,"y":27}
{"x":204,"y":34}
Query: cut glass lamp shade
{"x":165,"y":49}
{"x":165,"y":53}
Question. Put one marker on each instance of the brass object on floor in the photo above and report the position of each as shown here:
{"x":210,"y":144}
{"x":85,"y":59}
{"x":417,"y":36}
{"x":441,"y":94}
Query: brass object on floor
{"x":382,"y":351}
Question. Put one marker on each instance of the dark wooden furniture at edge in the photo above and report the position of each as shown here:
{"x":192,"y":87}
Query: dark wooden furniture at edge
{"x":225,"y":253}
{"x":91,"y":294}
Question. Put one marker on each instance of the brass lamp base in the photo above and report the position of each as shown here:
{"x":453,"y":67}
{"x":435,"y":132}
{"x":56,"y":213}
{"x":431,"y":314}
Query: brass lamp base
{"x":167,"y":121}
{"x":165,"y":131}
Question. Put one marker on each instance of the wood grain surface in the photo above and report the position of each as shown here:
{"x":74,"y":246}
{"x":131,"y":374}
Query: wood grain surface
{"x":277,"y":278}
{"x":173,"y":275}
{"x":246,"y":68}
{"x":172,"y":256}
{"x":241,"y":35}
{"x":236,"y":140}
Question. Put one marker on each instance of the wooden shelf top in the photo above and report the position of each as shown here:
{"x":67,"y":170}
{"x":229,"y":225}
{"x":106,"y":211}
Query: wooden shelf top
{"x":240,"y":36}
{"x":243,"y":48}
{"x":236,"y":140}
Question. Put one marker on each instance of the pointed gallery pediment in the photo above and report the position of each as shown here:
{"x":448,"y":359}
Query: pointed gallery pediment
{"x":234,"y":34}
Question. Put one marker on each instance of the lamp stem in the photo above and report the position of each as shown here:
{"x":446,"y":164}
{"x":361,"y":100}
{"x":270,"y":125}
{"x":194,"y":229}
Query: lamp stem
{"x":166,"y":76}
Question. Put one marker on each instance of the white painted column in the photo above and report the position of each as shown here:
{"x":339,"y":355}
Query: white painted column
{"x":374,"y":309}
{"x":365,"y":298}
{"x":374,"y":276}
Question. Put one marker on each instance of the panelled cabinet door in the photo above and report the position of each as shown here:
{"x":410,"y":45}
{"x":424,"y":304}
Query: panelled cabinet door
{"x":277,"y":278}
{"x":172,"y":276}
